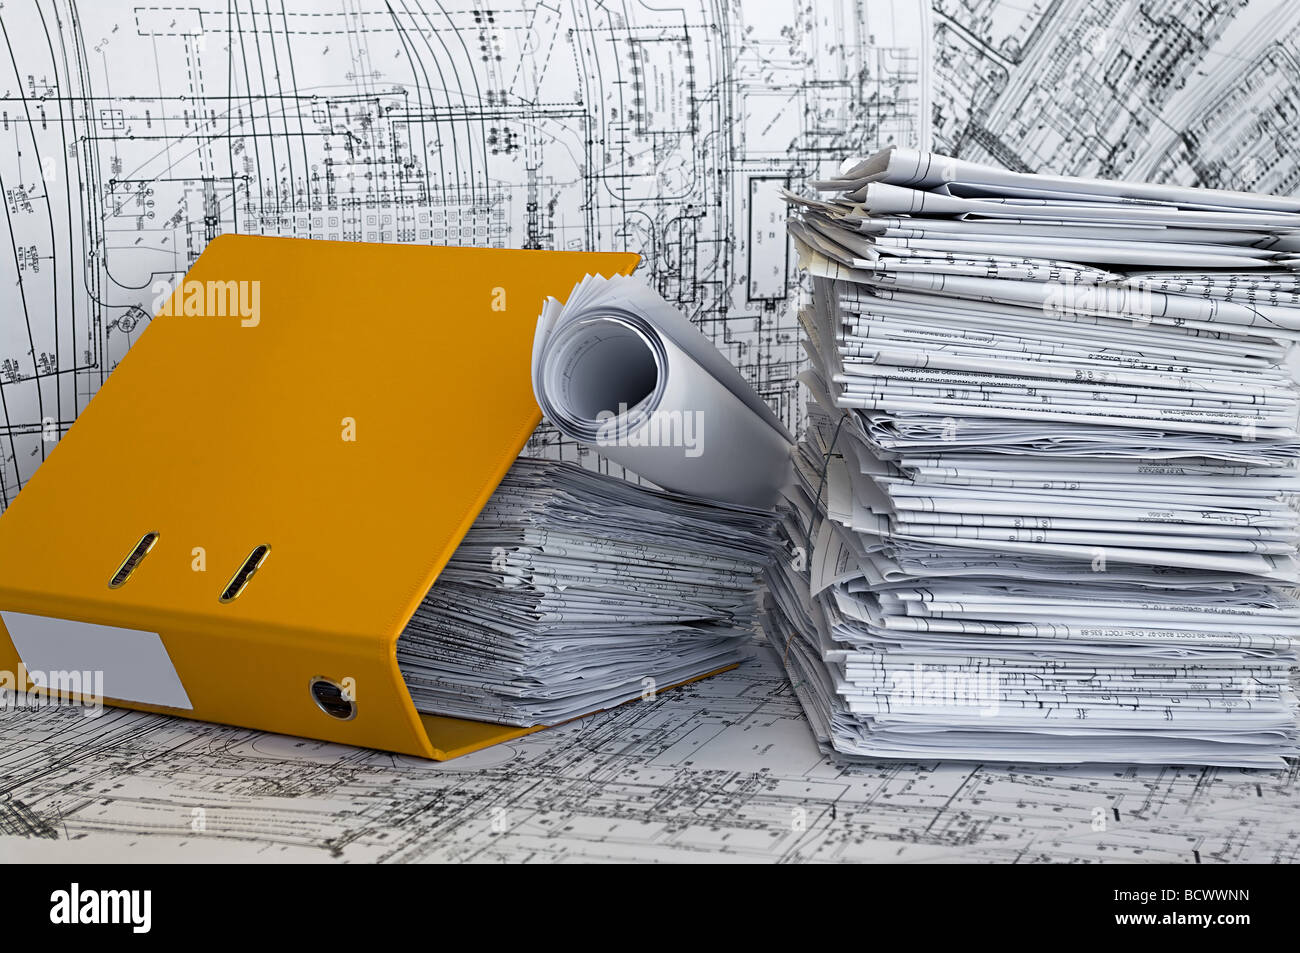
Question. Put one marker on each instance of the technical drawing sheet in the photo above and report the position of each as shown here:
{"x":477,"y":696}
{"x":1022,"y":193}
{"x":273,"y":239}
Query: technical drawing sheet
{"x":1179,"y":91}
{"x":133,"y":133}
{"x":723,"y":768}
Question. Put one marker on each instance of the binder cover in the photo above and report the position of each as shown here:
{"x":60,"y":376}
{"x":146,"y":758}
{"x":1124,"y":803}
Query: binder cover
{"x":309,"y":445}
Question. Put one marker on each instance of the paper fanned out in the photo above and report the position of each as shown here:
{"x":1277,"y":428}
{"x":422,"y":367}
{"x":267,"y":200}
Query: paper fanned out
{"x":575,"y":592}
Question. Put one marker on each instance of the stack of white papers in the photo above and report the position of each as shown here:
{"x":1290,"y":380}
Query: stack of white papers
{"x":1043,"y":503}
{"x":574,"y":591}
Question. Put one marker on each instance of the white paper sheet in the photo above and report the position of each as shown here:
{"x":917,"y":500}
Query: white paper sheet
{"x":1057,"y":516}
{"x":618,"y":369}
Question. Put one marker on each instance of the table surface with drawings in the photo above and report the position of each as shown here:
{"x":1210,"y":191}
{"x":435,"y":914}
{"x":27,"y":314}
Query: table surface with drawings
{"x":135,"y":133}
{"x":725,"y":768}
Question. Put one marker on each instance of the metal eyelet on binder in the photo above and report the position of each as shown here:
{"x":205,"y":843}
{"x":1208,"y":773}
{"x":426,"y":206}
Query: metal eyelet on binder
{"x":133,"y":559}
{"x":245,"y":572}
{"x":330,"y":698}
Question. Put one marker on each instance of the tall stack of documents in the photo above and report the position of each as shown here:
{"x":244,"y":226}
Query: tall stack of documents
{"x":1042,"y":508}
{"x":574,"y":591}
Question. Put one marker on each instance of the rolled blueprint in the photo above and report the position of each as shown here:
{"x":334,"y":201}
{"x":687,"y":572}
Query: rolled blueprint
{"x":619,"y":370}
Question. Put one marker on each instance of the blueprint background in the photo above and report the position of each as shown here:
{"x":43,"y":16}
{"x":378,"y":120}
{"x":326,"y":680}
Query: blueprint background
{"x":131,"y":134}
{"x":720,"y":769}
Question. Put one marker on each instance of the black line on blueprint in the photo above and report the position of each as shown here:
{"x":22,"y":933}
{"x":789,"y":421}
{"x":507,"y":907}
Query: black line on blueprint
{"x":473,"y":74}
{"x":302,"y":133}
{"x":261,"y":72}
{"x":162,"y":110}
{"x":4,"y":404}
{"x":54,"y":258}
{"x":451,"y":111}
{"x":93,"y":214}
{"x":591,"y":96}
{"x":284,"y":117}
{"x":419,"y":97}
{"x":22,"y":289}
{"x":252,"y":112}
{"x":230,"y":112}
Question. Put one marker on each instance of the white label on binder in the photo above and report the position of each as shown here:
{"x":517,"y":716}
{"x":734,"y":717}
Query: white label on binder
{"x":135,"y":665}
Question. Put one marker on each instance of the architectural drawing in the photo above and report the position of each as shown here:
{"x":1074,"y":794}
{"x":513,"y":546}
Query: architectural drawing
{"x":725,"y":767}
{"x":1178,"y":91}
{"x":132,"y":134}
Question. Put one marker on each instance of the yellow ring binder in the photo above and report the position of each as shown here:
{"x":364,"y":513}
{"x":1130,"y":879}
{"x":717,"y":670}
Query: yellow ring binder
{"x":380,"y":393}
